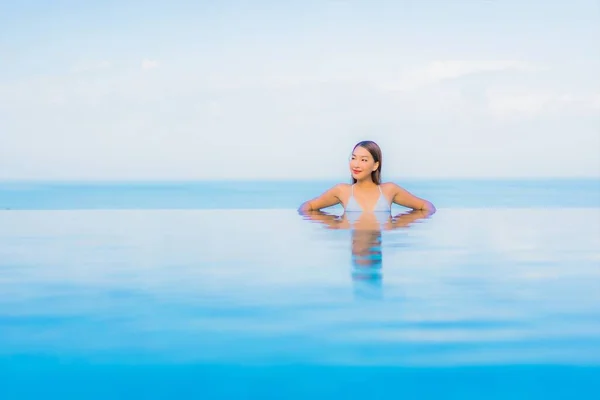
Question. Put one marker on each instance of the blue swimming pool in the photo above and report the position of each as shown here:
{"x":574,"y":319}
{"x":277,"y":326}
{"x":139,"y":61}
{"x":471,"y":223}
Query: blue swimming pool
{"x":478,"y":302}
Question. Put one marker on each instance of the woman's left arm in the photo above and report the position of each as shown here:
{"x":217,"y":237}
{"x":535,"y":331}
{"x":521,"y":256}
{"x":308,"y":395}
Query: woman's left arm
{"x":404,"y":198}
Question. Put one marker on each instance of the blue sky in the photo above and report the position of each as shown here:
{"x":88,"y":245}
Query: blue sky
{"x":242,"y":90}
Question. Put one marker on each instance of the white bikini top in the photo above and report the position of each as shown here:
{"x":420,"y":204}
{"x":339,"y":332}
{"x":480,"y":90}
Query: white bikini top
{"x":382,"y":204}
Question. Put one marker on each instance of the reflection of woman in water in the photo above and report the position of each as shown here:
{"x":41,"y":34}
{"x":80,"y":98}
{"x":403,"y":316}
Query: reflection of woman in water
{"x":367,"y":256}
{"x":367,"y":263}
{"x":366,"y":194}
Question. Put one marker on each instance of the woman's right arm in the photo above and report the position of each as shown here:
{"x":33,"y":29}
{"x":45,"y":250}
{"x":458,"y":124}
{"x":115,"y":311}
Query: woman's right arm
{"x":330,"y":198}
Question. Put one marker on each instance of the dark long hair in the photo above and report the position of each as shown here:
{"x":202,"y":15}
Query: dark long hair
{"x":375,"y":151}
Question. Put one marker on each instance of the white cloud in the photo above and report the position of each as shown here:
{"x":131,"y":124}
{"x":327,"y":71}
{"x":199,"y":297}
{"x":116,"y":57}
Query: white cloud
{"x":149,"y":64}
{"x":441,"y":70}
{"x":524,"y":102}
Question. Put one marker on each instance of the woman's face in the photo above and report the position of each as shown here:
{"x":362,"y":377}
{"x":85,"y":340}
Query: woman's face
{"x":362,"y":164}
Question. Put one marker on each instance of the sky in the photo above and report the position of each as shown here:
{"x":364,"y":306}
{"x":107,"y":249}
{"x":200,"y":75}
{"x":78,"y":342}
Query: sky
{"x":179,"y":90}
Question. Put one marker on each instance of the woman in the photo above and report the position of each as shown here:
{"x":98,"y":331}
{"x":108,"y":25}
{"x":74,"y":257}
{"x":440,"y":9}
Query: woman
{"x":367,"y":193}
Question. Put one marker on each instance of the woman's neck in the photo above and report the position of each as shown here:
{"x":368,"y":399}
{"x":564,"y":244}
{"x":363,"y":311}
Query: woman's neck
{"x":366,"y":184}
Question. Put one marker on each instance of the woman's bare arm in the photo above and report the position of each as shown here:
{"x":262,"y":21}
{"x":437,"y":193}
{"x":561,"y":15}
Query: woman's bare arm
{"x":329,"y":198}
{"x":404,"y":198}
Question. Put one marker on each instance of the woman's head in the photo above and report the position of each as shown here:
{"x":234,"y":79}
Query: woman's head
{"x":366,"y":162}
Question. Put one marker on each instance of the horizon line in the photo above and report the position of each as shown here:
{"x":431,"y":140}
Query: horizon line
{"x":216,"y":180}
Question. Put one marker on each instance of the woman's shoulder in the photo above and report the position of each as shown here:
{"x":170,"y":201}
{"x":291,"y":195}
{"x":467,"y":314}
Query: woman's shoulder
{"x":390,"y":186}
{"x":343,"y":187}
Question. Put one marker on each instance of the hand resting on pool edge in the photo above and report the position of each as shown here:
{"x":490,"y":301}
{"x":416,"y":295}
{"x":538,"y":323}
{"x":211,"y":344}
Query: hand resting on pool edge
{"x":366,"y":221}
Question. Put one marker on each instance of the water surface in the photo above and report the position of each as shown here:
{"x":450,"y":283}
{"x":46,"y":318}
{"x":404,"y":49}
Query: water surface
{"x":482,"y":302}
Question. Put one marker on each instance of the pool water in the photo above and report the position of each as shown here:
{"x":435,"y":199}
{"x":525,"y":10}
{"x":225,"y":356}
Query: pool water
{"x":482,"y":302}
